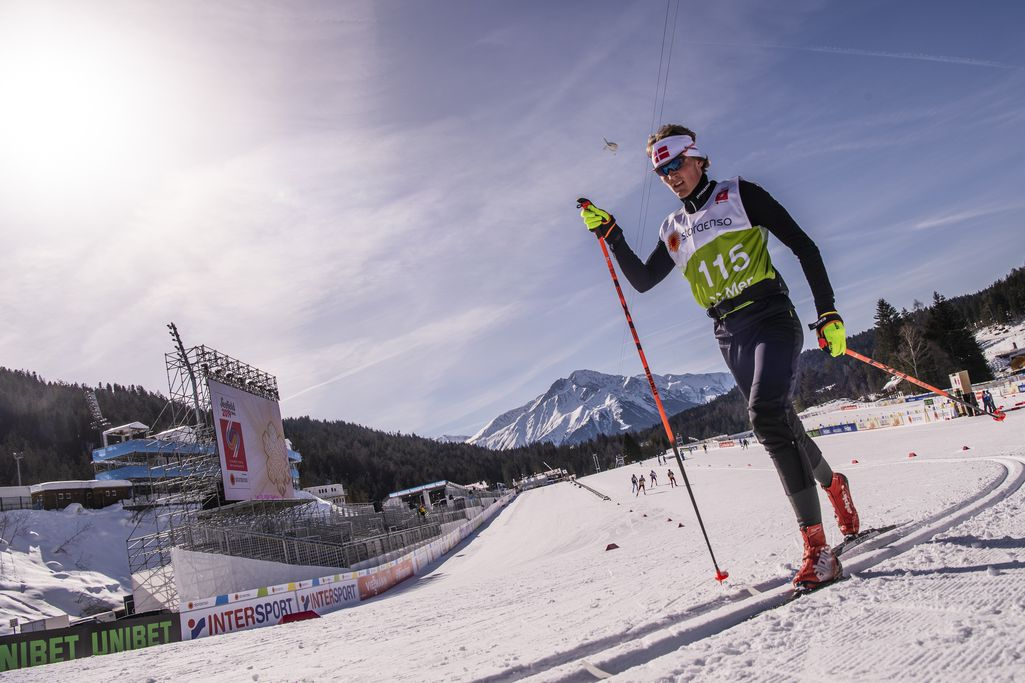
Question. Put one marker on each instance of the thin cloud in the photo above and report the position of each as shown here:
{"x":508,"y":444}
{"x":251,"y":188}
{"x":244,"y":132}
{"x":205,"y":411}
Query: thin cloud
{"x":858,"y":52}
{"x":949,"y":218}
{"x":460,"y":328}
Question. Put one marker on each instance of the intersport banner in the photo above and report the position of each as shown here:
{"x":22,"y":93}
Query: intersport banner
{"x":276,"y":604}
{"x":251,"y":443}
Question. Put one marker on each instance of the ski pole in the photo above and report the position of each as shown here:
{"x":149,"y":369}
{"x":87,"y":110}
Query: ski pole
{"x":720,"y":575}
{"x":996,"y":414}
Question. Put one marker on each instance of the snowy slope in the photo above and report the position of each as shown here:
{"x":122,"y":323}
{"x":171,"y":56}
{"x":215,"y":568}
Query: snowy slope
{"x":589,"y":403}
{"x":70,"y":561}
{"x":535,"y":594}
{"x":998,"y":339}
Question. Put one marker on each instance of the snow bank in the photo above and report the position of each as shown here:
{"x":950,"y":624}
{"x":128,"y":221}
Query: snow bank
{"x":72,"y":561}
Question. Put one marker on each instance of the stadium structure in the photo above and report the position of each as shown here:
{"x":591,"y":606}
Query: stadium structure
{"x":220,"y":508}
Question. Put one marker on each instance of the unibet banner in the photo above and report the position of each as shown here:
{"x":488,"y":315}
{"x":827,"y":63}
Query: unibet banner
{"x":85,"y":640}
{"x":251,"y":442}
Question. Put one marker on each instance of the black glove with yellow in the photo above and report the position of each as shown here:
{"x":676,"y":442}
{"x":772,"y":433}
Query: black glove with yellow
{"x":831,"y":333}
{"x":599,"y":222}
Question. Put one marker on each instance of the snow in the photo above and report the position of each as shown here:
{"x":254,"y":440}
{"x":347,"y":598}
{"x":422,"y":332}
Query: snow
{"x":72,"y":561}
{"x":535,"y":595}
{"x":1000,"y":339}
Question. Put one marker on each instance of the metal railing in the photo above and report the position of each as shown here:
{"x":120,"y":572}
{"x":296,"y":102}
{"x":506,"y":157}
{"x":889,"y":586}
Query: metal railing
{"x":17,"y":503}
{"x":300,"y":551}
{"x":594,"y":491}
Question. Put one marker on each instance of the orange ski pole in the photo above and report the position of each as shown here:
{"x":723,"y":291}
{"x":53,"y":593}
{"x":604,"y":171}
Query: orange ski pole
{"x":720,"y":575}
{"x":996,"y":414}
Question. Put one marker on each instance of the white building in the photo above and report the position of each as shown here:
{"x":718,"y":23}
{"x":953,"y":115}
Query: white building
{"x":334,"y":493}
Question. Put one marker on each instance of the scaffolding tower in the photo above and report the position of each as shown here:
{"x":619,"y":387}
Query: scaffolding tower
{"x":178,"y":493}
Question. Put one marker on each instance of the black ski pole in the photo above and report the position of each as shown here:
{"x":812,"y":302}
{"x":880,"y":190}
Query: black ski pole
{"x":720,"y":575}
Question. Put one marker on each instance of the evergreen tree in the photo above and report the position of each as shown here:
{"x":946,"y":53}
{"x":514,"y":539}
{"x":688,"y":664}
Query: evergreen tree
{"x":948,"y":329}
{"x":887,"y":329}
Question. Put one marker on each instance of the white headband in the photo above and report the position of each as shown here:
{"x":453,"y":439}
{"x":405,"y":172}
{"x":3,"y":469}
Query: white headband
{"x":673,"y":146}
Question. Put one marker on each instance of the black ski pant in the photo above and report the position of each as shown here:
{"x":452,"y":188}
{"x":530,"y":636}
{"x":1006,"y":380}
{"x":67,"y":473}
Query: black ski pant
{"x":761,"y":348}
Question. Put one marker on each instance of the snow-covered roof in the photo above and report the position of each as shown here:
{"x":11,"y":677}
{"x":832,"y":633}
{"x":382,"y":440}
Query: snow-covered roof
{"x":126,"y":430}
{"x":87,"y":484}
{"x":14,"y":491}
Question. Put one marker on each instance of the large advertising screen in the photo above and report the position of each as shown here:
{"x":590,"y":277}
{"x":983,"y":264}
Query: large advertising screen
{"x":251,"y":442}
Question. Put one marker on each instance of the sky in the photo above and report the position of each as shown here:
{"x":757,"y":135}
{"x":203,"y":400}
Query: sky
{"x":375,"y":201}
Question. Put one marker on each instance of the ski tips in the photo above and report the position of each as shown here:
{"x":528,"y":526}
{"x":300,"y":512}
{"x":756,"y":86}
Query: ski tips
{"x":721,"y":576}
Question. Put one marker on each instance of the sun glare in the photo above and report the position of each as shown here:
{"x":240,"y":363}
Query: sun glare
{"x":77,"y":108}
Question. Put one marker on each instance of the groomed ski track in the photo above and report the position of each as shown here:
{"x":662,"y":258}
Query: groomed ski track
{"x":535,"y":595}
{"x":643,"y":646}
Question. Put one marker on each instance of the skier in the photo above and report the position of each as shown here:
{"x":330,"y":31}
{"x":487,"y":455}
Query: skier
{"x":672,"y":478}
{"x":633,"y":482}
{"x":654,"y":481}
{"x":640,"y":486}
{"x":719,"y":239}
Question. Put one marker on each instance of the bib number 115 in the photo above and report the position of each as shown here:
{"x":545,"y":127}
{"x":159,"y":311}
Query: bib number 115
{"x":739,"y":261}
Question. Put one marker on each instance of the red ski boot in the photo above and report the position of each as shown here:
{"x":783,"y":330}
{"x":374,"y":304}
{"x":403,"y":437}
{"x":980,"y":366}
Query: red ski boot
{"x":840,"y":496}
{"x":819,"y":565}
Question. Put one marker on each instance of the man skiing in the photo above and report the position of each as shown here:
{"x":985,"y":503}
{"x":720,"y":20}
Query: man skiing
{"x":719,"y":239}
{"x":633,"y":480}
{"x":640,"y":486}
{"x":654,"y":479}
{"x":672,"y":478}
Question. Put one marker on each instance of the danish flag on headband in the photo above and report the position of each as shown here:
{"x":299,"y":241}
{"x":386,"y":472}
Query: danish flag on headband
{"x":661,"y":154}
{"x":723,"y":196}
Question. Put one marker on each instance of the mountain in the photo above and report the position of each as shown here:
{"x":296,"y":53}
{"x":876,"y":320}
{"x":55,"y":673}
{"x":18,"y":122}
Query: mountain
{"x":588,"y":404}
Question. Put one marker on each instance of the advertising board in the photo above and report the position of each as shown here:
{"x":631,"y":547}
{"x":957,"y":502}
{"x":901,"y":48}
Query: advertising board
{"x":86,"y":640}
{"x":237,"y":615}
{"x":251,"y":444}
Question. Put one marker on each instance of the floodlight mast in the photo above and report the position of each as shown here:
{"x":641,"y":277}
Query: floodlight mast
{"x":192,"y":375}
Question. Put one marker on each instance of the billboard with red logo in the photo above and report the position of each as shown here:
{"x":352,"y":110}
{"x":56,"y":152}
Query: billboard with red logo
{"x":251,"y":443}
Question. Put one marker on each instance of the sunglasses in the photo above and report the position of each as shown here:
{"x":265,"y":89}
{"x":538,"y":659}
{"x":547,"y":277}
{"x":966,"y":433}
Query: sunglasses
{"x":671,"y":166}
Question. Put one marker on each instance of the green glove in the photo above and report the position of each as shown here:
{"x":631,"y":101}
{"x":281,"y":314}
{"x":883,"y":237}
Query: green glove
{"x":831,"y":333}
{"x":599,"y":222}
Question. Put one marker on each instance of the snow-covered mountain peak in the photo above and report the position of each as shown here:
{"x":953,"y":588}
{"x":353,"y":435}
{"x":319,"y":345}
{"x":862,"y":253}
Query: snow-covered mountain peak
{"x":588,"y":403}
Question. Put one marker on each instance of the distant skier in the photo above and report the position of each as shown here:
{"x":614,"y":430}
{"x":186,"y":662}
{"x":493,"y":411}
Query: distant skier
{"x":705,"y":447}
{"x":987,"y":401}
{"x":654,"y":481}
{"x":719,"y":239}
{"x":672,"y":478}
{"x":640,"y":486}
{"x":633,"y":481}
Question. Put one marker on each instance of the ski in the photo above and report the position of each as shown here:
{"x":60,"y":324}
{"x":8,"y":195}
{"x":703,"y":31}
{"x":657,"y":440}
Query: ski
{"x":859,"y":538}
{"x":800,"y":591}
